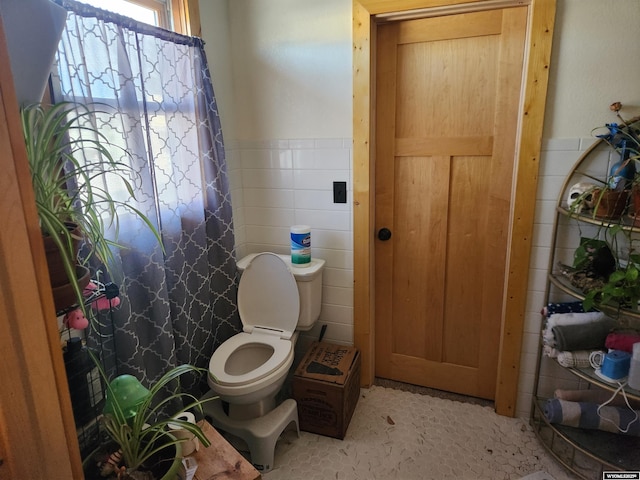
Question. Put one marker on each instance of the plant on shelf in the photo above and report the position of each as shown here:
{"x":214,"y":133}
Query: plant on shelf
{"x":609,"y":199}
{"x":606,"y":200}
{"x":624,"y":175}
{"x":619,"y":288}
{"x":136,"y":422}
{"x":593,"y":262}
{"x":620,"y":291}
{"x":607,"y":279}
{"x":71,"y":162}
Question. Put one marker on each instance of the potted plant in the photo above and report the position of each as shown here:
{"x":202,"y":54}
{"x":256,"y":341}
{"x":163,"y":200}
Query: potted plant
{"x":610,"y":198}
{"x":70,"y":162}
{"x":624,"y":177}
{"x":620,"y":290}
{"x":133,"y":418}
{"x":607,"y":279}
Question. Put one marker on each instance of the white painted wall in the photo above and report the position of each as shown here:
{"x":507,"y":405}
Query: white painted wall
{"x":292,"y":68}
{"x":289,"y":104}
{"x":595,"y":63}
{"x":216,"y":33}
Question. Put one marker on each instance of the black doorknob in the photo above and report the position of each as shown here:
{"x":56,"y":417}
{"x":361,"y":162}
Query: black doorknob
{"x":384,"y":234}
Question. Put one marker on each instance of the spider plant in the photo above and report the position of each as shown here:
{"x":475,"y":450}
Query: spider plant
{"x":141,"y":431}
{"x":71,"y":162}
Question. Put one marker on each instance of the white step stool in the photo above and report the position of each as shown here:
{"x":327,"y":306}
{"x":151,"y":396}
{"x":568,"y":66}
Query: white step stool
{"x":260,"y":434}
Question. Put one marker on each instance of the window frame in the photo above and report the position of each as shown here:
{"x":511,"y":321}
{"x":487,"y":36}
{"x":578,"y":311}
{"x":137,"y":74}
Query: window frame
{"x":181,"y":16}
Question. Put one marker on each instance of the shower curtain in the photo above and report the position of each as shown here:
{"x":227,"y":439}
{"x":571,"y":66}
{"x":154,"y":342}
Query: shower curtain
{"x":155,"y":89}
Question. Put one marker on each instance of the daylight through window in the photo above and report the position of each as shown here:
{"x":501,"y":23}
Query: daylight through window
{"x":153,"y":12}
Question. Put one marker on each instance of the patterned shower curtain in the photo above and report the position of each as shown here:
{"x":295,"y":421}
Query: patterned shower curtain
{"x":180,"y":304}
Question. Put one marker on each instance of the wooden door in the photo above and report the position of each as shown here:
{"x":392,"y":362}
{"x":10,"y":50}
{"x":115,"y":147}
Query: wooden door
{"x":447,"y":102}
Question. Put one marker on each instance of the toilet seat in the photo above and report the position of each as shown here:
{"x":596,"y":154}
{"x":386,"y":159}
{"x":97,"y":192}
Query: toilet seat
{"x":269,"y":306}
{"x":281,"y":351}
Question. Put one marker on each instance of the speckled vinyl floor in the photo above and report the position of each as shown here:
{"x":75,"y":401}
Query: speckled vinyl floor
{"x":401,"y":435}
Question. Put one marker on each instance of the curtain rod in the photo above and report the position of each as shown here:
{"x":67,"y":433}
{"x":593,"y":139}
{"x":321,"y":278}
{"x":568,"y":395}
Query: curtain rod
{"x":449,"y":10}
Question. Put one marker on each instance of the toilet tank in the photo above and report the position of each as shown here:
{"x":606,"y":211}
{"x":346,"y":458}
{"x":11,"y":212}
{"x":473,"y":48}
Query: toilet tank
{"x":309,"y":281}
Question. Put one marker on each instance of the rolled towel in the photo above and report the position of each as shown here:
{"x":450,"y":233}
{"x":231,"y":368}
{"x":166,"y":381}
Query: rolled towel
{"x":568,"y":319}
{"x":586,"y":415}
{"x":594,"y":395}
{"x":563,"y":307}
{"x":622,"y":341}
{"x":590,"y":336}
{"x":578,"y":359}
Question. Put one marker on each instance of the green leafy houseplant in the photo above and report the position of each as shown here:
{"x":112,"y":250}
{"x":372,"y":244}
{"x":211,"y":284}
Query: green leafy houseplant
{"x":608,"y":199}
{"x":621,"y":290}
{"x":624,"y":139}
{"x":141,"y":431}
{"x":619,"y":285}
{"x":71,"y":162}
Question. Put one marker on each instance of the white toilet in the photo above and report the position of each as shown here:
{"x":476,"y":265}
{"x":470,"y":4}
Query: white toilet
{"x":275,"y":299}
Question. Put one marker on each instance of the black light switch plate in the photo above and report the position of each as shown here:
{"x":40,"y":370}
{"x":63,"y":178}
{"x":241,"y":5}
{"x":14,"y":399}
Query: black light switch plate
{"x":339,"y":192}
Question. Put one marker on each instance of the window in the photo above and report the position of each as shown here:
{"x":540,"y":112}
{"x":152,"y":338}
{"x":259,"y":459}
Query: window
{"x":164,"y":109}
{"x":147,"y":11}
{"x":169,"y":14}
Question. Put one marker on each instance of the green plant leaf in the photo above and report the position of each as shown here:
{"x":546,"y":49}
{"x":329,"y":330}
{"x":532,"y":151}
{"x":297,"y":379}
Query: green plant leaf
{"x":70,"y":161}
{"x":589,"y":301}
{"x":146,"y":434}
{"x":617,"y":276}
{"x":615,"y":229}
{"x":631,"y":275}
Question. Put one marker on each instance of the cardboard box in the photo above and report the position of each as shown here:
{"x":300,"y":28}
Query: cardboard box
{"x":326,"y":386}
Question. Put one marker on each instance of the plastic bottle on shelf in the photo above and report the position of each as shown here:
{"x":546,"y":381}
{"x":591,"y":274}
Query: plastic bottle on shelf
{"x":634,"y":369}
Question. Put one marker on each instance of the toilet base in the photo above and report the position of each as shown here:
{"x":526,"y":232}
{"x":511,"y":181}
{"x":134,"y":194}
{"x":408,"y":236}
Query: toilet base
{"x":260,"y":434}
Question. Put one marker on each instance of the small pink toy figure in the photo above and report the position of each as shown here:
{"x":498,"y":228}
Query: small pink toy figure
{"x":75,"y":319}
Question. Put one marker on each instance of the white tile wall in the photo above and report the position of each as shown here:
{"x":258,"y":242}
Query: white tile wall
{"x":279,"y":183}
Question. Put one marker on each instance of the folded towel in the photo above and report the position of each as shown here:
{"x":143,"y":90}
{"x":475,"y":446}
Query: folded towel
{"x":622,"y":341}
{"x":589,"y":336}
{"x":586,"y":415}
{"x":576,"y":318}
{"x":578,"y":359}
{"x":565,"y":307}
{"x":594,"y":395}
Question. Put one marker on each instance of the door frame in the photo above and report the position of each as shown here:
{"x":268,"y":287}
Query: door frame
{"x":531,"y":120}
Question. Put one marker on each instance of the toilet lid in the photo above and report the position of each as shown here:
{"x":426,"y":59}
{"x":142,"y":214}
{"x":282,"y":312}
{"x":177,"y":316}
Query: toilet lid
{"x":268,"y":296}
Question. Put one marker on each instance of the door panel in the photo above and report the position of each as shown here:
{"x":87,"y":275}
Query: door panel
{"x":447,"y":99}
